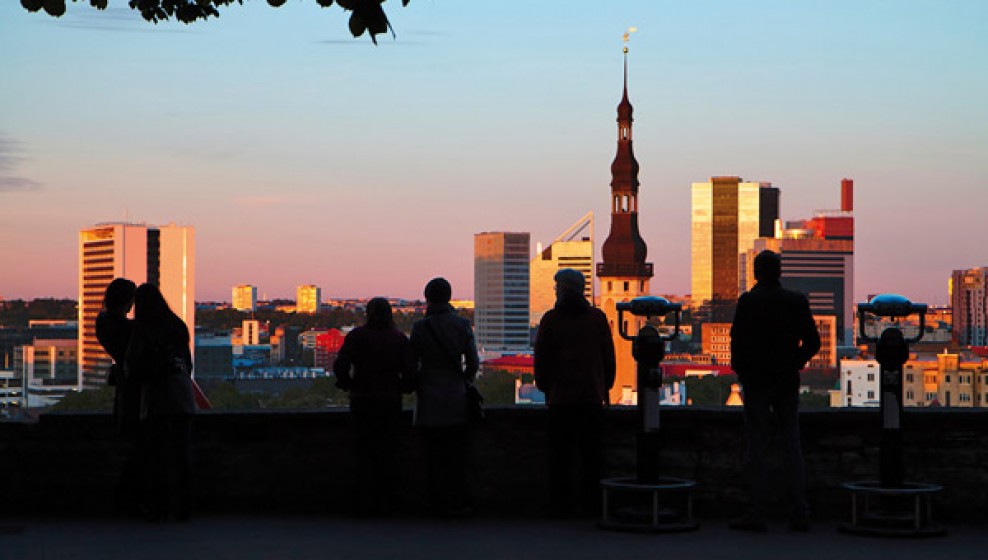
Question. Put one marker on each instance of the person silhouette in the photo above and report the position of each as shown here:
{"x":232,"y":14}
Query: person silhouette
{"x":159,"y":358}
{"x":773,"y":336}
{"x":575,"y":368}
{"x":113,"y":330}
{"x":446,"y":353}
{"x":381,"y":362}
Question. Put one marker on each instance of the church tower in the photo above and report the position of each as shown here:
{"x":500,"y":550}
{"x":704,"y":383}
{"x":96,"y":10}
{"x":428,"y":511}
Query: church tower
{"x":623,"y":272}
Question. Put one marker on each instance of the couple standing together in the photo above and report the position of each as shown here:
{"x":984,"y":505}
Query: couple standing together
{"x":153,"y":402}
{"x":376,"y":365}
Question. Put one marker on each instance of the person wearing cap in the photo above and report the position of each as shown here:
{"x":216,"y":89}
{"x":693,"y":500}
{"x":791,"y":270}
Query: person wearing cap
{"x":575,"y":368}
{"x":773,"y":337}
{"x":446,"y":352}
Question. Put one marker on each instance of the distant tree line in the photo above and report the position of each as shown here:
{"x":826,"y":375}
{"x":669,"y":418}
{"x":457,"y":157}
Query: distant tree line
{"x":497,"y":387}
{"x":17,"y":312}
{"x":326,"y":318}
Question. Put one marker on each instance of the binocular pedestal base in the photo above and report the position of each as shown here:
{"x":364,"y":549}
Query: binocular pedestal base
{"x":665,"y":506}
{"x":905,"y":511}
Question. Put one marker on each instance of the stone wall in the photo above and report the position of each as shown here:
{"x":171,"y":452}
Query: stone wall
{"x":299,"y":462}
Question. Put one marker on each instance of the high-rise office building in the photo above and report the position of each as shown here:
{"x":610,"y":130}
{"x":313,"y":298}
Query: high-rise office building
{"x":571,"y":249}
{"x":623,"y":272}
{"x":728,"y":214}
{"x":245,"y":297}
{"x":969,"y":300}
{"x":500,"y":282}
{"x":818,"y":261}
{"x":160,"y":255}
{"x":307,"y":298}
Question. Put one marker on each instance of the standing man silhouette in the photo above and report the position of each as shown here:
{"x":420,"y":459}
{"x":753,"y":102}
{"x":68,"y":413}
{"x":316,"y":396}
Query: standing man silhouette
{"x":575,"y":368}
{"x":772,"y":338}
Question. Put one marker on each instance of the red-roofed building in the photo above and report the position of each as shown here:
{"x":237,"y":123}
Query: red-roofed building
{"x":328,"y":345}
{"x":519,"y":364}
{"x":695,"y":370}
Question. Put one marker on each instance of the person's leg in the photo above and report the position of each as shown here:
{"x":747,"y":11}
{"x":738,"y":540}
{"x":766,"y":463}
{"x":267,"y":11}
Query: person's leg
{"x":589,"y":438}
{"x":361,"y":420}
{"x":432,"y":439}
{"x":786,"y":407}
{"x":560,"y":466}
{"x":464,"y":434}
{"x":181,"y":467}
{"x":385,"y":468}
{"x":130,"y":496}
{"x":156,"y":473}
{"x":756,"y":426}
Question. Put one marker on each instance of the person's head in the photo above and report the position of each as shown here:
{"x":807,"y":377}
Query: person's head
{"x":768,"y":266}
{"x":438,"y":291}
{"x":379,"y":313}
{"x":569,"y":282}
{"x":149,"y":305}
{"x":119,"y":296}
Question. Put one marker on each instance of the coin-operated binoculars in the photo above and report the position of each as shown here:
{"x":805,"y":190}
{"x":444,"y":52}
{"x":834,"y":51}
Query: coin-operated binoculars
{"x":648,"y":349}
{"x":621,"y":511}
{"x":905,"y":508}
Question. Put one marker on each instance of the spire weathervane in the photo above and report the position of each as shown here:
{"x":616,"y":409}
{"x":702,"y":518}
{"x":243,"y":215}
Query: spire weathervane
{"x":627,"y":35}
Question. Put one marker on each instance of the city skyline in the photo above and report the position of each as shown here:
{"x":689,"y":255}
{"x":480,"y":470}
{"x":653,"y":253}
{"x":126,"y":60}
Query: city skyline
{"x":302,"y":155}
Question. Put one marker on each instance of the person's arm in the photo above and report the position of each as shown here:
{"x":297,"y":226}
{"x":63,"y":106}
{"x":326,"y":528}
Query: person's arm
{"x":185,"y":346}
{"x":408,"y":380}
{"x":415,"y":347}
{"x":542,"y":358}
{"x":134,"y":361}
{"x":809,"y":337}
{"x":471,"y":359}
{"x":607,"y":352}
{"x":740,"y":334}
{"x":343,"y":363}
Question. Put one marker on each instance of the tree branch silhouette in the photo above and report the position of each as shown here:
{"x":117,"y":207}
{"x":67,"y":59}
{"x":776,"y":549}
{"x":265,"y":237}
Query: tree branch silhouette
{"x":365,"y":15}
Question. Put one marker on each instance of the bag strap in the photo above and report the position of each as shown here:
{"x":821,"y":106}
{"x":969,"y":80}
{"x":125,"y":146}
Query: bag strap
{"x":442,"y":345}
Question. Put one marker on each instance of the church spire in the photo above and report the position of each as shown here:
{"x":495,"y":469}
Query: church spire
{"x":624,"y":251}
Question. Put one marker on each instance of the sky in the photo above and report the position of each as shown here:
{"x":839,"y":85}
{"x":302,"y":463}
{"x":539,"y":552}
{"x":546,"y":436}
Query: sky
{"x":303,"y":155}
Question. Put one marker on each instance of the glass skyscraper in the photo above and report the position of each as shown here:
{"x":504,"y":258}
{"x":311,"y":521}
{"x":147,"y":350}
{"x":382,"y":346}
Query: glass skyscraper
{"x":728,"y":214}
{"x":501,"y":283}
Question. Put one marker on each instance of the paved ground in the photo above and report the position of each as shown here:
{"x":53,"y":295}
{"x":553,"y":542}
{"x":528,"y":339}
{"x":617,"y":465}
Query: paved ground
{"x":225,"y":537}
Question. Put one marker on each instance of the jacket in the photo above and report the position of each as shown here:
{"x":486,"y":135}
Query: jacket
{"x":446,"y":355}
{"x":160,"y":361}
{"x":381,"y":360}
{"x":113,"y":332}
{"x":772,"y":337}
{"x":574,"y":354}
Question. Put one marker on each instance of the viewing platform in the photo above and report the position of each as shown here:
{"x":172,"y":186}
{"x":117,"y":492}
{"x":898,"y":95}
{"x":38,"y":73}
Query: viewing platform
{"x":311,"y":537}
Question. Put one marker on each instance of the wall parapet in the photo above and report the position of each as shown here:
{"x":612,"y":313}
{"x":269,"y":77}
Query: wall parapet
{"x":299,"y":461}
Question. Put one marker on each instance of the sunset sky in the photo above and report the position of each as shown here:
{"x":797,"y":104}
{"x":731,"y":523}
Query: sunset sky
{"x":302,"y":155}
